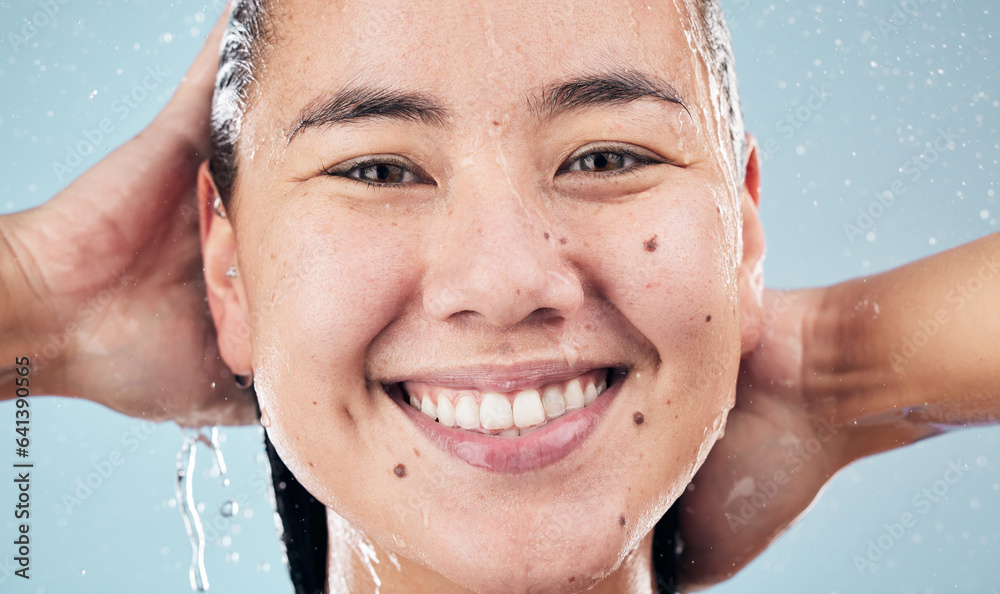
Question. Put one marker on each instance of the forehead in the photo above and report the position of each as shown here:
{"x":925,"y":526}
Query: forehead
{"x":477,"y":55}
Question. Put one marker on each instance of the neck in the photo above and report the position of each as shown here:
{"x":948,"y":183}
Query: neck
{"x":358,"y":566}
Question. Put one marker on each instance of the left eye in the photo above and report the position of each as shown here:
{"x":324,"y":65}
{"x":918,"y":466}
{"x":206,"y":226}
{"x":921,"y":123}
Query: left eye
{"x":610,"y":161}
{"x":602,"y":162}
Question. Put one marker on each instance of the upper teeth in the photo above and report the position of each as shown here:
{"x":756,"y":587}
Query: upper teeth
{"x":495,"y":412}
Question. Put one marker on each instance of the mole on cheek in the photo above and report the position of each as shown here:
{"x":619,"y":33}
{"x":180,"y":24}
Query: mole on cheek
{"x":638,"y":418}
{"x":621,"y":520}
{"x":650,"y":244}
{"x":400,"y":470}
{"x":708,"y":318}
{"x":545,"y":235}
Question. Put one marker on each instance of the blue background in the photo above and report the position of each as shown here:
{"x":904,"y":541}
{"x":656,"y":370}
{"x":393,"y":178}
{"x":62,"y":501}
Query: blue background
{"x":893,"y":80}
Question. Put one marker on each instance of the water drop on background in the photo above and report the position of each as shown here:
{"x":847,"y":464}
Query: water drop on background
{"x":229,"y":509}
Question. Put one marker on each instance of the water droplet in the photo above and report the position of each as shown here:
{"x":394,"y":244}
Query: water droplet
{"x":230,"y":508}
{"x":264,"y":419}
{"x":395,"y":561}
{"x":83,"y":572}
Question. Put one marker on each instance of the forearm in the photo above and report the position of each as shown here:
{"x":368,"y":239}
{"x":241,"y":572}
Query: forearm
{"x":904,"y":354}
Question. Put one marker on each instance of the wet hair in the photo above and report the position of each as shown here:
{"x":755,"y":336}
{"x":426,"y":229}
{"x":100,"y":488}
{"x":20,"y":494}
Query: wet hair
{"x":240,"y":55}
{"x":250,"y":30}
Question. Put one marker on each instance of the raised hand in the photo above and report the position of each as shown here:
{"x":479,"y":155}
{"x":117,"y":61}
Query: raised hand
{"x":111,"y":267}
{"x":778,"y":451}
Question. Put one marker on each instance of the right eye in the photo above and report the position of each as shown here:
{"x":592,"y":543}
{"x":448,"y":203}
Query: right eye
{"x":379,"y":172}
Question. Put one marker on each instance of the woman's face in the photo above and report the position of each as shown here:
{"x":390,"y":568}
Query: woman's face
{"x":498,"y":205}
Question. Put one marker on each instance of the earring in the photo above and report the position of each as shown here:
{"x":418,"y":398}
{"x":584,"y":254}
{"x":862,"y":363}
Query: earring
{"x":244,"y":382}
{"x":232,"y":273}
{"x":217,"y":206}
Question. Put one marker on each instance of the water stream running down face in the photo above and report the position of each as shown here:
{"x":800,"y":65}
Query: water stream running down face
{"x":183,"y":487}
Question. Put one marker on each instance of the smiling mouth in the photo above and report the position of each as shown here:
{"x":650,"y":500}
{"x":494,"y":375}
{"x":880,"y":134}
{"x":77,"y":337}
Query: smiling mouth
{"x":504,"y":414}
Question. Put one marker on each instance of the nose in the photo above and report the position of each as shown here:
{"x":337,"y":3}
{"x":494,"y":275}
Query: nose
{"x":498,"y":260}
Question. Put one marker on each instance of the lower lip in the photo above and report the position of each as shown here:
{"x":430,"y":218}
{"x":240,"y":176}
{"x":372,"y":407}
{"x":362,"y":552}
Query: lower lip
{"x":540,"y":448}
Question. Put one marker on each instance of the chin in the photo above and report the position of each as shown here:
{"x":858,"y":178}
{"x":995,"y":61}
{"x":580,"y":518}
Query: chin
{"x":552,"y":546}
{"x":552,"y":567}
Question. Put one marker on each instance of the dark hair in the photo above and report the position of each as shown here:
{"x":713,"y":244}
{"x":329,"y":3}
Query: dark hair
{"x":250,"y":30}
{"x":239,"y":56}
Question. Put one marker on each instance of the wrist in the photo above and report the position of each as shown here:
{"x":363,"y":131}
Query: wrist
{"x":846,"y":373}
{"x":28,"y":324}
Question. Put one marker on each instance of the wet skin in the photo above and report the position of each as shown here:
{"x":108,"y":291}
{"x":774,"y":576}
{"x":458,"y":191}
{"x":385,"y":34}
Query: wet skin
{"x":501,"y":234}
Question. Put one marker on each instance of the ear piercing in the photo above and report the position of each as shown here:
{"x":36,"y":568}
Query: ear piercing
{"x":232,"y":272}
{"x":219,"y":209}
{"x":244,"y":382}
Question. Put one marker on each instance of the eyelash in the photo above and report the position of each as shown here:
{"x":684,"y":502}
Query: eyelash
{"x":371,"y":162}
{"x":641,"y":161}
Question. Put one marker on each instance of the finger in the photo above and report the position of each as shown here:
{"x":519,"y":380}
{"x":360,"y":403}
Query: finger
{"x":192,"y":102}
{"x":156,"y":163}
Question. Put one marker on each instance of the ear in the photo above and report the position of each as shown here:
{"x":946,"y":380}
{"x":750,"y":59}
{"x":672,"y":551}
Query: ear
{"x":752,"y":264}
{"x":226,"y":294}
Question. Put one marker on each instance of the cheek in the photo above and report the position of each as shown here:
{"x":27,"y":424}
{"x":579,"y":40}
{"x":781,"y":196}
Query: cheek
{"x":324,"y":288}
{"x":664,"y":263}
{"x":665,"y":266}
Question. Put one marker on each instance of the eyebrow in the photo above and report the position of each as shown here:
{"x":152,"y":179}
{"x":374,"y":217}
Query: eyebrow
{"x":615,"y":87}
{"x":359,"y":103}
{"x":366,"y":103}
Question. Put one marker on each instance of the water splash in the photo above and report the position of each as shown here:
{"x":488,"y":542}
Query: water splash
{"x":184,"y":489}
{"x":350,"y":541}
{"x":220,"y":462}
{"x":189,"y":511}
